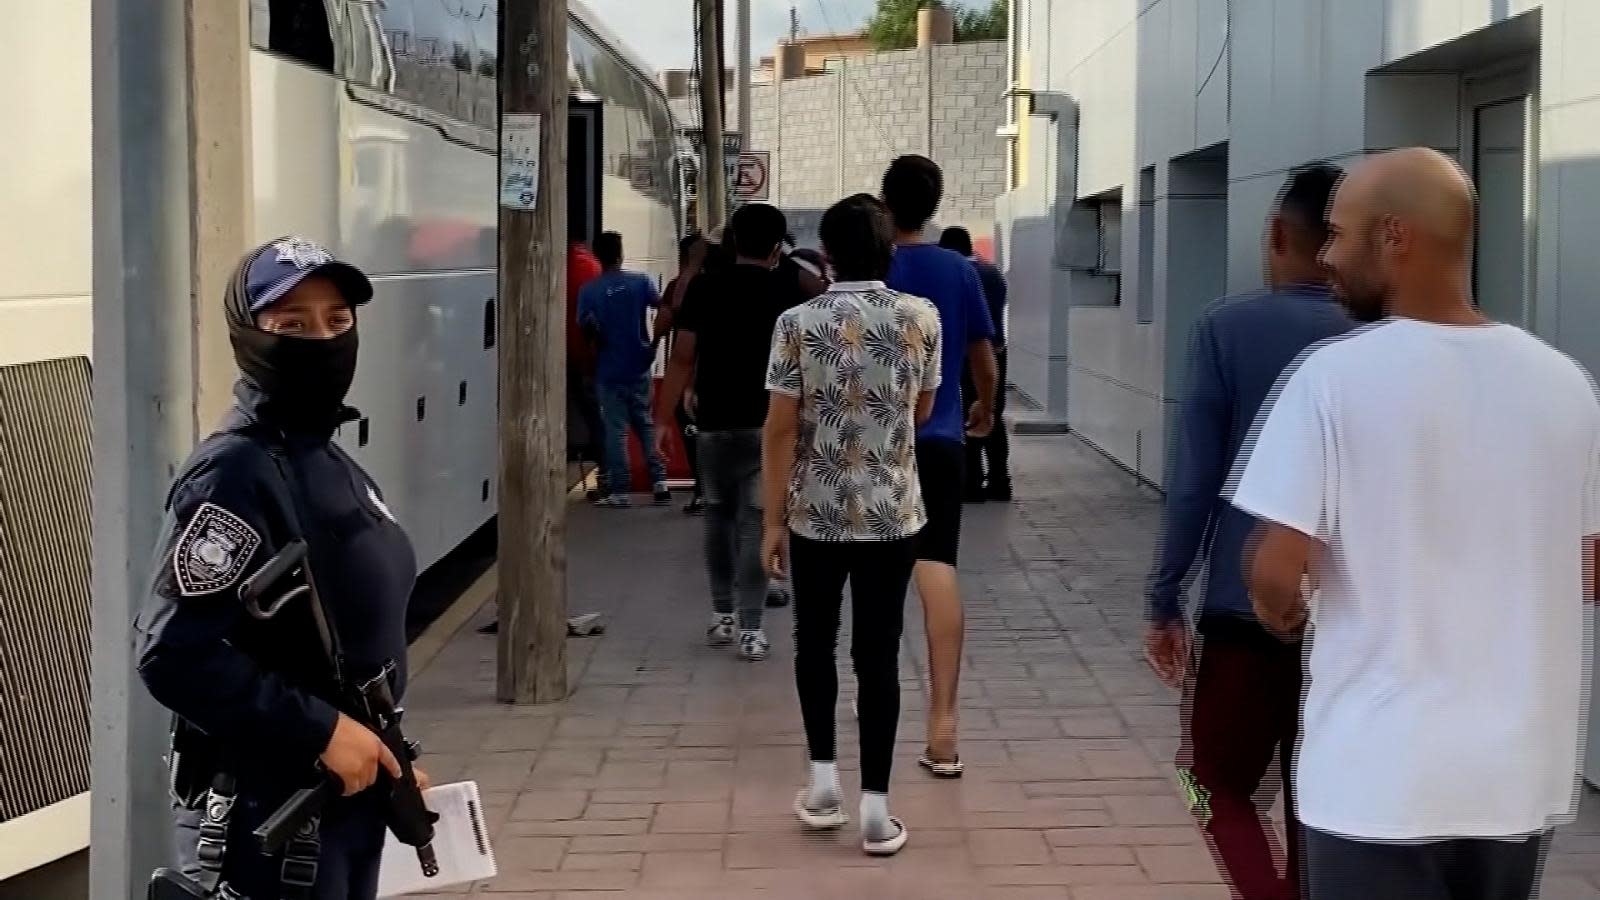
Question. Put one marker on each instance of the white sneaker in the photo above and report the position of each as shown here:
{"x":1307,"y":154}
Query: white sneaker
{"x":720,"y":634}
{"x":753,"y":645}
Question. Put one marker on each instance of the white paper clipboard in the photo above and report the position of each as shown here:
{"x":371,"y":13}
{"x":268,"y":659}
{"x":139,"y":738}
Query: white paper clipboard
{"x":460,"y":841}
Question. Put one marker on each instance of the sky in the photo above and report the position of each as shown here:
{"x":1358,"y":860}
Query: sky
{"x":662,"y":32}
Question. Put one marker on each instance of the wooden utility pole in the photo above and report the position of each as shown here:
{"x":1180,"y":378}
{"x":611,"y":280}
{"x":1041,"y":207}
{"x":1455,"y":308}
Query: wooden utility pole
{"x":533,"y":357}
{"x":714,"y":183}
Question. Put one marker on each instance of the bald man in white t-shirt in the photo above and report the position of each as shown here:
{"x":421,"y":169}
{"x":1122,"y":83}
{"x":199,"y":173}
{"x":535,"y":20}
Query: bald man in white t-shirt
{"x":1437,"y":475}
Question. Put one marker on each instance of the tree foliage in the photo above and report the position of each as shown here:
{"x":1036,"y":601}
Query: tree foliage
{"x":894,"y":25}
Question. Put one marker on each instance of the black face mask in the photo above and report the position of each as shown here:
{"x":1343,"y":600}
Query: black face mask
{"x":305,"y":380}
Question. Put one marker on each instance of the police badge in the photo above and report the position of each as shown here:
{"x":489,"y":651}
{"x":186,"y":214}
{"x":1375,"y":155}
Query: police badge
{"x":302,"y":253}
{"x":213,"y":551}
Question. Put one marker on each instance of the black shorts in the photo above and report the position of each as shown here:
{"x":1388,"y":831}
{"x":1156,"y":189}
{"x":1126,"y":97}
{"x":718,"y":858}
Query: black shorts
{"x":941,"y":469}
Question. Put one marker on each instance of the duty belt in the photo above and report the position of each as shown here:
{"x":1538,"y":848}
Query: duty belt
{"x":298,"y":873}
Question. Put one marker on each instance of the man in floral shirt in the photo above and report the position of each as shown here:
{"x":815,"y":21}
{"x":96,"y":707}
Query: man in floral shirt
{"x":852,"y":373}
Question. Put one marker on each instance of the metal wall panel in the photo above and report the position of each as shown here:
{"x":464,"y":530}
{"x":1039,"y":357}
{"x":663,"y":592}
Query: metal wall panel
{"x":45,"y":471}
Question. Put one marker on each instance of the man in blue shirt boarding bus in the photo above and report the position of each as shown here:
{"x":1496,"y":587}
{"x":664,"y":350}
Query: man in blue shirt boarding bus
{"x":613,"y":310}
{"x":912,"y":189}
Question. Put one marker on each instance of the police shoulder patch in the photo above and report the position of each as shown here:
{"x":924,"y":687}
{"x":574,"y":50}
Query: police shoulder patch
{"x":212,"y":552}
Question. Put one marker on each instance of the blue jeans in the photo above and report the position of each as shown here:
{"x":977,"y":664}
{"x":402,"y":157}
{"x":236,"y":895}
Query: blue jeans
{"x":623,"y":404}
{"x":730,"y":476}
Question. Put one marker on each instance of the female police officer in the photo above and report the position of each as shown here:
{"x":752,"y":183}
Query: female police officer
{"x":251,"y":696}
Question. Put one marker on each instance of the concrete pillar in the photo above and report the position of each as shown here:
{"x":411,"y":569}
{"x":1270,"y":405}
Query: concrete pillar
{"x":224,"y":194}
{"x":935,"y":25}
{"x":789,"y":61}
{"x":171,"y":216}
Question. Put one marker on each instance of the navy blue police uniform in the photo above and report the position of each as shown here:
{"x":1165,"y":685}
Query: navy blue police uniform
{"x":253,"y":698}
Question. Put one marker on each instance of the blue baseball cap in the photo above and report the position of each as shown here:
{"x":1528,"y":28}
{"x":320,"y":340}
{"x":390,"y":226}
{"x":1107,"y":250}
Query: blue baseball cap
{"x":281,"y":265}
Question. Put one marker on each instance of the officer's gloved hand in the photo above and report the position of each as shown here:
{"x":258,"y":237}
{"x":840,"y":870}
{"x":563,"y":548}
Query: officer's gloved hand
{"x":354,"y":754}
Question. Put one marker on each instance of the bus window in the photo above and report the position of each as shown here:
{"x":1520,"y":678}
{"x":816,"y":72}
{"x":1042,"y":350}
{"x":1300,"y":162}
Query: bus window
{"x":299,"y":30}
{"x":442,"y":55}
{"x":479,"y":84}
{"x":400,"y":37}
{"x":367,"y":59}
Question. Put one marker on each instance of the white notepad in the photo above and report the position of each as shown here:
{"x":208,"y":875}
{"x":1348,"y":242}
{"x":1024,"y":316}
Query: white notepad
{"x":460,"y":840}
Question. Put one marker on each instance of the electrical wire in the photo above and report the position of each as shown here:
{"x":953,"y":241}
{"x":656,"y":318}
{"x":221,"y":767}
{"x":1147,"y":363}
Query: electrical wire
{"x":1227,"y":39}
{"x":696,"y":73}
{"x":843,"y":74}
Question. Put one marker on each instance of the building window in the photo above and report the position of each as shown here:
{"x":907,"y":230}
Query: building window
{"x":1109,"y":229}
{"x":1089,"y":247}
{"x":1146,"y":285}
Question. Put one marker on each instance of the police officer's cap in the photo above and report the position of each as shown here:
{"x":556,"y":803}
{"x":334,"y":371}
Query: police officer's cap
{"x":281,"y":265}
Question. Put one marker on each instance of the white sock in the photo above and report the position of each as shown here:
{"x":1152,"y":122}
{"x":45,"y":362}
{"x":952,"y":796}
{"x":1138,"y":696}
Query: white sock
{"x":824,"y":793}
{"x":875,"y":825}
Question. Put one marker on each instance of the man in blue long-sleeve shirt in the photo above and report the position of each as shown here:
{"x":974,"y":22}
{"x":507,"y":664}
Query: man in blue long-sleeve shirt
{"x":1242,"y":703}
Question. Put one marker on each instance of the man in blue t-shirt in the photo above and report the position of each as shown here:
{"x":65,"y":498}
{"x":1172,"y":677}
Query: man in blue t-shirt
{"x":613,"y":310}
{"x":912,"y":189}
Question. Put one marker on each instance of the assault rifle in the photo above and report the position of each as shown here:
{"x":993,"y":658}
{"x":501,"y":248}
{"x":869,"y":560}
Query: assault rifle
{"x":286,"y":578}
{"x":370,"y":702}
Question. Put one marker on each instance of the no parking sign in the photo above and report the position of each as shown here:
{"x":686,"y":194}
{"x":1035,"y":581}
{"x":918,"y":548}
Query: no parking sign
{"x":753,"y":177}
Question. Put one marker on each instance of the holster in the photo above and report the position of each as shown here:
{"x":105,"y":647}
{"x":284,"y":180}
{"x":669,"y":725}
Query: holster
{"x":193,"y":763}
{"x":168,"y":884}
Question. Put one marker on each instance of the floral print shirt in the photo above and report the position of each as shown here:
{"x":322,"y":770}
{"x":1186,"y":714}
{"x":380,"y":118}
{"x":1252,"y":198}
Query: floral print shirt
{"x":857,"y":358}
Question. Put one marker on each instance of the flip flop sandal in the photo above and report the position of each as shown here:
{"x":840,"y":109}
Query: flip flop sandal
{"x":818,"y":819}
{"x":942,"y":768}
{"x":888,"y":847}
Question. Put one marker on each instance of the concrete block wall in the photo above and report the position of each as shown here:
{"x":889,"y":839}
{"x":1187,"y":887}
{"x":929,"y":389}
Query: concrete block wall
{"x":885,"y":102}
{"x":832,"y":135}
{"x":968,"y":82}
{"x":808,"y":161}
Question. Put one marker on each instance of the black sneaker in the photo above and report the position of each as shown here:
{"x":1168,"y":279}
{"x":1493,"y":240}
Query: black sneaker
{"x":1000,"y":491}
{"x":695,"y":507}
{"x":663,"y":494}
{"x":778,"y":597}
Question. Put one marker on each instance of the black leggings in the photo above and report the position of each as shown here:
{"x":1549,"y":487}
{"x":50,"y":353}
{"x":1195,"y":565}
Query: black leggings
{"x":878,"y":573}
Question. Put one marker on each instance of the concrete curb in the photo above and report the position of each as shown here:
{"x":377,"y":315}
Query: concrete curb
{"x":428,"y":645}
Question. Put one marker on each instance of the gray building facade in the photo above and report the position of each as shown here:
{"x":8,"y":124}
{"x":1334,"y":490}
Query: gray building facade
{"x":1148,"y":139}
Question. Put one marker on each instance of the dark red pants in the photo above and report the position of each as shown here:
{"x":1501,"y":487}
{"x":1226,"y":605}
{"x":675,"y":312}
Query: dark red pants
{"x":1242,"y":709}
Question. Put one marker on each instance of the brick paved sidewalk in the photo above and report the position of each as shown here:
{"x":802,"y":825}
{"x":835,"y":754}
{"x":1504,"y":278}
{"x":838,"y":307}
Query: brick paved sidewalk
{"x":671,"y":770}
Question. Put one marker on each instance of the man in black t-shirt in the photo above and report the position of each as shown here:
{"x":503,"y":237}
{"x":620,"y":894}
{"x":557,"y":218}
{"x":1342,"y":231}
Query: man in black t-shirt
{"x":724,"y":336}
{"x":691,"y":258}
{"x":988,"y":458}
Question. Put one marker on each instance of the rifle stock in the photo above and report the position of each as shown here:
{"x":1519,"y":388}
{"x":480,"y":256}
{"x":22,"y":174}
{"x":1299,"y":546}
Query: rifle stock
{"x":299,"y":809}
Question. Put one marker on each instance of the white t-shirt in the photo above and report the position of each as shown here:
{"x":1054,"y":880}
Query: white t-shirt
{"x":1452,"y":474}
